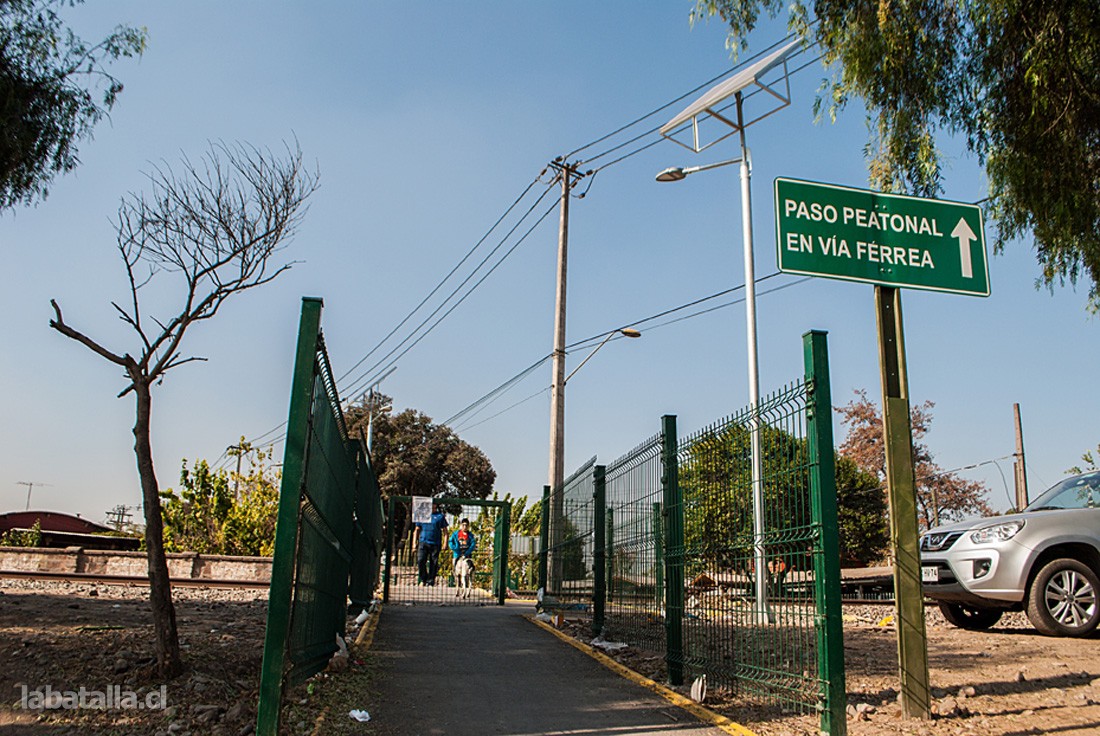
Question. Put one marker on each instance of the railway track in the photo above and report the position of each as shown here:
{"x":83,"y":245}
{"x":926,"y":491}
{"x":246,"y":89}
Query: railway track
{"x":129,"y":579}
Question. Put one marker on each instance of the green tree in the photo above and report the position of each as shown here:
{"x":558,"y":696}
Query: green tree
{"x":1018,"y":80}
{"x":716,"y":481}
{"x":941,"y":495}
{"x":1089,"y":461}
{"x":862,"y":515}
{"x":54,"y":88}
{"x":217,"y":228}
{"x":219,"y":512}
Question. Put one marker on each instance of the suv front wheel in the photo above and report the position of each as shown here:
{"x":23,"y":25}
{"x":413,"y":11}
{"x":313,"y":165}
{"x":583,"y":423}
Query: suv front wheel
{"x":1064,"y":599}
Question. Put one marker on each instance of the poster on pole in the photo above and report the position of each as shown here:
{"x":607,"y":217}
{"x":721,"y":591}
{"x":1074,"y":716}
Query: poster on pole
{"x":422,"y":509}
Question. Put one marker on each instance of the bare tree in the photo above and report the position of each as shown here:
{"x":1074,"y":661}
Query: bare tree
{"x":215,"y":229}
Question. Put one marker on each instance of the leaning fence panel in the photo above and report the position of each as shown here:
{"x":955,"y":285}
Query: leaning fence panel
{"x":328,"y":519}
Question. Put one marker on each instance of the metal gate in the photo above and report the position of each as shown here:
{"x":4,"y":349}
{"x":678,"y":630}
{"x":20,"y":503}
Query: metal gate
{"x":489,"y":521}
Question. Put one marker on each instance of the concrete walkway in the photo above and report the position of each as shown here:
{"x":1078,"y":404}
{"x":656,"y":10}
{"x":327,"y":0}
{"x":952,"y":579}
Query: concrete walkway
{"x":472,"y":671}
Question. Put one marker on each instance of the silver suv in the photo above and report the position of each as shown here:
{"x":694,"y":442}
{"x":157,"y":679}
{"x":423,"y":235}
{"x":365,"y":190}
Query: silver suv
{"x":1044,"y":560}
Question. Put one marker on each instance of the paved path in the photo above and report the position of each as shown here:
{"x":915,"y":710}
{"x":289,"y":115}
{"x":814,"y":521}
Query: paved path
{"x":473,"y":671}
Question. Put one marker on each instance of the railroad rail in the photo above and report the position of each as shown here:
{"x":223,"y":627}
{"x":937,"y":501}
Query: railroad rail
{"x":130,"y":579}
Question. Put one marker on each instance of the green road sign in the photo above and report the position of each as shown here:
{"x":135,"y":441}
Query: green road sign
{"x":889,"y":239}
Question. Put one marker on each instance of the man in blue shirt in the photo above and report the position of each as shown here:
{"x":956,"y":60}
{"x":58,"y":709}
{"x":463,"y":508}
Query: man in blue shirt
{"x":430,"y":541}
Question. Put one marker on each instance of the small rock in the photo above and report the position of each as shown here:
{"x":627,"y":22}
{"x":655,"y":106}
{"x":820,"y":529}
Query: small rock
{"x":121,"y":665}
{"x":175,"y":727}
{"x":172,"y":712}
{"x":966,"y":692}
{"x":1020,"y":676}
{"x":247,"y":729}
{"x":235,"y":712}
{"x":1028,"y":713}
{"x":93,"y":593}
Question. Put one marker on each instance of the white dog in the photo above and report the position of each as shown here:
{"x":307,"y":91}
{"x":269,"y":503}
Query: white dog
{"x":464,"y":576}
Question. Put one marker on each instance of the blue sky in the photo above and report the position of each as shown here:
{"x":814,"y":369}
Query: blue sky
{"x":426,"y":122}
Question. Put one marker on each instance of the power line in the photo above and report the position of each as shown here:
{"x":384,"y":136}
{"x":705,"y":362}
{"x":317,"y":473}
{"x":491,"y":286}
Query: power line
{"x":516,"y":379}
{"x":445,"y":278}
{"x":381,"y":368}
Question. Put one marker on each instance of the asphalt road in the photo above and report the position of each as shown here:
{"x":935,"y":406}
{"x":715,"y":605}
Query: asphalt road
{"x":464,"y":671}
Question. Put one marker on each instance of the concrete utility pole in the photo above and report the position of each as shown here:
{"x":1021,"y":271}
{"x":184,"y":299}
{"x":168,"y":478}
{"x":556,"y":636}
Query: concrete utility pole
{"x":568,"y":176}
{"x":1019,"y":466}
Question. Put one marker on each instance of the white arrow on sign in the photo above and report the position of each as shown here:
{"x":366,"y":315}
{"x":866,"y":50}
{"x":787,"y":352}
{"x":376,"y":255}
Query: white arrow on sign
{"x":963,"y":232}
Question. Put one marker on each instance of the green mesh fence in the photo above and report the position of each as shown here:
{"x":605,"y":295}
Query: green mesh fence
{"x":634,"y":558}
{"x":570,"y":548}
{"x":328,"y":534}
{"x":487,"y":584}
{"x":685,"y":565}
{"x":751,"y":638}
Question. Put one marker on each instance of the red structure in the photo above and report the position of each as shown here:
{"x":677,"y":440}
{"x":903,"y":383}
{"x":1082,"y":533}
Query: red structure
{"x":66,"y":530}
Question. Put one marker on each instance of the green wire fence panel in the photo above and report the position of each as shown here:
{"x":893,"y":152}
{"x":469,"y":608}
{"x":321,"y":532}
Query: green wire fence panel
{"x":404,"y":581}
{"x":759,"y":644}
{"x":570,"y":548}
{"x":329,"y":529}
{"x":634,"y":558}
{"x":691,"y":569}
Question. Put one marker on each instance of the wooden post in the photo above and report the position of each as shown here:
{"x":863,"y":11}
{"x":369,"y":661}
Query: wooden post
{"x":898,"y":444}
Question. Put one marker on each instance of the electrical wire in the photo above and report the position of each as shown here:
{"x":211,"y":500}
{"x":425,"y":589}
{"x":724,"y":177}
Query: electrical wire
{"x":438,"y":286}
{"x":382,"y":368}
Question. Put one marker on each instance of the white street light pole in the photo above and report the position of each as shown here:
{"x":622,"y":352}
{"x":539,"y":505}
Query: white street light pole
{"x":710,"y":106}
{"x":759,"y":555}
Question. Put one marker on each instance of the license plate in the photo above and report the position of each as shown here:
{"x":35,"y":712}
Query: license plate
{"x":930,"y":574}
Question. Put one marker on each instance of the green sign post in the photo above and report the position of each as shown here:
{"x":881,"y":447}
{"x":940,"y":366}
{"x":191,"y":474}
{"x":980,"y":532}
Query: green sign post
{"x":891,"y":241}
{"x":888,"y":239}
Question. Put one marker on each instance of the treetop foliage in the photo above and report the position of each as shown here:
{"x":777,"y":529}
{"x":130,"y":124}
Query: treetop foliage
{"x":413,"y":456}
{"x":1018,"y":80}
{"x":49,"y":82}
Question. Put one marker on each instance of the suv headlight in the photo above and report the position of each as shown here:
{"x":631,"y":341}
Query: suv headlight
{"x":996,"y":532}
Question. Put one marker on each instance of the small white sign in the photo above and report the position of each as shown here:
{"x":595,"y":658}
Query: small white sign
{"x":422,"y":509}
{"x":930,"y":574}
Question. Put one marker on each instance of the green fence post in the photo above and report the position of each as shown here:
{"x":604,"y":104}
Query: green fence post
{"x":505,"y":543}
{"x":286,"y":528}
{"x":599,"y":551}
{"x":389,"y":552}
{"x":674,"y":552}
{"x":544,"y":537}
{"x":658,"y":555}
{"x":830,"y":627}
{"x":609,"y":577}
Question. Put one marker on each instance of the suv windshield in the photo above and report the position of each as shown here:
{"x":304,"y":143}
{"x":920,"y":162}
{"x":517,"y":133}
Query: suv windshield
{"x":1078,"y":492}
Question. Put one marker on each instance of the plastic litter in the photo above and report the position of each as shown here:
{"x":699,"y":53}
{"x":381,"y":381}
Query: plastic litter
{"x":545,"y":617}
{"x":362,"y":617}
{"x":608,"y":646}
{"x":699,"y":689}
{"x":359,"y":715}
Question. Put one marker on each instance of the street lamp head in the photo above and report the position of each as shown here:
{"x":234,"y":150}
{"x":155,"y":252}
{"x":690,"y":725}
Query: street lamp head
{"x":629,"y":332}
{"x":673,"y":173}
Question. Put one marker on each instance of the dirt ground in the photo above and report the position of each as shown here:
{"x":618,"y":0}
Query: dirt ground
{"x":1008,"y":681}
